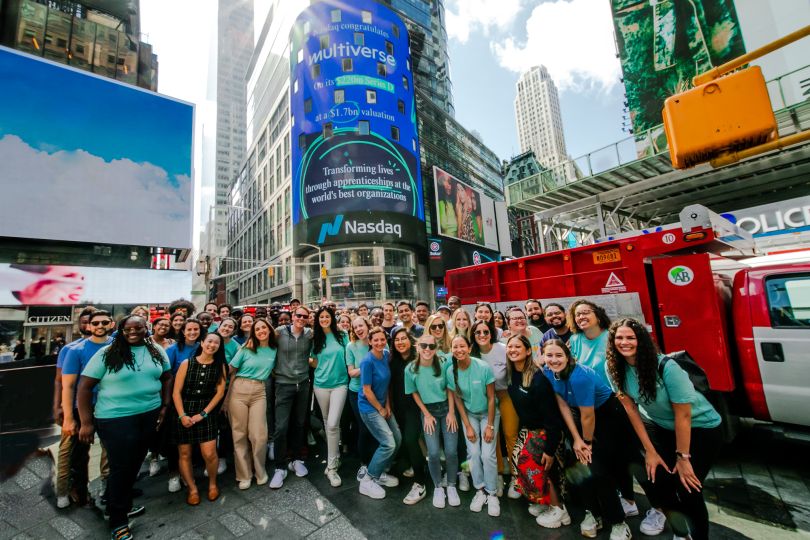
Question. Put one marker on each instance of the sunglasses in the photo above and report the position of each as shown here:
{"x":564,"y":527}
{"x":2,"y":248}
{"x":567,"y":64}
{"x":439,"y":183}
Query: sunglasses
{"x":100,"y":323}
{"x":301,"y":315}
{"x":482,"y":332}
{"x":436,"y":326}
{"x":431,"y":346}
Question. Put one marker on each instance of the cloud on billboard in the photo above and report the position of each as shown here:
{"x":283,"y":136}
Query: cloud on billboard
{"x":40,"y":183}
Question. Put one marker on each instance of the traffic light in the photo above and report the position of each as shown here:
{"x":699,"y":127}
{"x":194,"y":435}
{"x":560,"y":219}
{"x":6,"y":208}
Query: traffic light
{"x":271,"y":271}
{"x":721,"y":116}
{"x":323,"y":272}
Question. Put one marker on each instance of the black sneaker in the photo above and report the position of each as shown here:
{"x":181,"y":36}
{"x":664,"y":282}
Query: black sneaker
{"x":121,"y":533}
{"x":136,"y":510}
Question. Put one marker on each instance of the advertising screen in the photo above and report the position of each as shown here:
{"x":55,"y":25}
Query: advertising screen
{"x":50,"y":285}
{"x":355,"y":152}
{"x":663,"y":44}
{"x":464,"y":213}
{"x":88,"y":159}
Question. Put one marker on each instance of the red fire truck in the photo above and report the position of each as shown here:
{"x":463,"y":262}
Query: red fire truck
{"x":697,"y":287}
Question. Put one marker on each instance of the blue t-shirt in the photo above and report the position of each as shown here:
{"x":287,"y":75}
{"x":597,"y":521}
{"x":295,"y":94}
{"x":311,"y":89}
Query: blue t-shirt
{"x":60,"y":358}
{"x":77,"y":357}
{"x":584,"y":388}
{"x":177,"y":355}
{"x":552,"y":334}
{"x":591,"y":352}
{"x":376,"y":373}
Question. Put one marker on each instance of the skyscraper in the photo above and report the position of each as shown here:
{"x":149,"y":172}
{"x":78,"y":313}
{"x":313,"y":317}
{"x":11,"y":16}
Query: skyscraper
{"x":538,"y":118}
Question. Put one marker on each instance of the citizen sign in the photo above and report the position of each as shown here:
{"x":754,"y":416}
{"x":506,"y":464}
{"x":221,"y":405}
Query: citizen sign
{"x":49,"y":319}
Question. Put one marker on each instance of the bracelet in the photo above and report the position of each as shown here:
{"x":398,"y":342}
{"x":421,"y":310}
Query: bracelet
{"x":489,"y":426}
{"x":683,"y":455}
{"x":204,"y":414}
{"x":587,"y":441}
{"x":183,"y":415}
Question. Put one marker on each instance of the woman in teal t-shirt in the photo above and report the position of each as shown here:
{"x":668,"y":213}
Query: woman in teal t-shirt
{"x":331,"y":383}
{"x":132,"y":375}
{"x":247,"y":402}
{"x":678,"y":427}
{"x":473,"y":384}
{"x":355,"y":352}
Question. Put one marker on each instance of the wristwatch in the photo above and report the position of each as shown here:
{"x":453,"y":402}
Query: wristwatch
{"x":682,"y":455}
{"x":204,"y":414}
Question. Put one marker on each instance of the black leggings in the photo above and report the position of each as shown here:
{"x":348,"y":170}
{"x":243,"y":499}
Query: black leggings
{"x":410,"y":453}
{"x":686,"y":512}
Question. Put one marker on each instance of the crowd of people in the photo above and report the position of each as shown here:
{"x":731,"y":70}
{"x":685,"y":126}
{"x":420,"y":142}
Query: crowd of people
{"x":543,"y":403}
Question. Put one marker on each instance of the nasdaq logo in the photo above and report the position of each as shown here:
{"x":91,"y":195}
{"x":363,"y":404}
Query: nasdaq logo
{"x":355,"y":227}
{"x":330,"y":229}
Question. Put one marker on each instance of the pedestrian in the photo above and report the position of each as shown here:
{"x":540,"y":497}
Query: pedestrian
{"x":603,"y":440}
{"x":488,"y":349}
{"x":199,"y":387}
{"x":426,"y":382}
{"x":247,"y":402}
{"x":677,"y":425}
{"x":243,"y":328}
{"x":132,"y":376}
{"x":540,"y":436}
{"x":473,"y":384}
{"x":330,"y":384}
{"x":410,"y":459}
{"x":292,"y":398}
{"x":460,"y":324}
{"x":555,"y":317}
{"x":375,"y":411}
{"x":161,"y":327}
{"x":356,"y":351}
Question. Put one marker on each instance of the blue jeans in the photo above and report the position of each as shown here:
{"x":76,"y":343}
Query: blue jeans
{"x":440,"y":434}
{"x":482,"y":455}
{"x":386,"y":431}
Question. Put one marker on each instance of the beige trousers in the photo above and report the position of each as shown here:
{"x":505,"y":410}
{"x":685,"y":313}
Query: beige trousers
{"x":247,"y":408}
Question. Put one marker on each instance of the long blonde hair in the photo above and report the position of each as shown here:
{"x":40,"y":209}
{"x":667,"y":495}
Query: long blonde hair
{"x":444,"y":341}
{"x":454,"y":317}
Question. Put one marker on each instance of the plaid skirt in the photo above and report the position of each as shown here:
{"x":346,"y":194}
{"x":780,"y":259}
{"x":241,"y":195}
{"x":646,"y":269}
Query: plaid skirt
{"x":201,"y":432}
{"x":532,"y":478}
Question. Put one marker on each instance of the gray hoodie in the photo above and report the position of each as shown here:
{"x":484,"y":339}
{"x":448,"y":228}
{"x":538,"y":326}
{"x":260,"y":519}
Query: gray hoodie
{"x":292,"y":358}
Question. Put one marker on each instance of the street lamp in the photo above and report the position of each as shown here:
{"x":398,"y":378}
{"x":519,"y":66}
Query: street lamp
{"x":321,"y":290}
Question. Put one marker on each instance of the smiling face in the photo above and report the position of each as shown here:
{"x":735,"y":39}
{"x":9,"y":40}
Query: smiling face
{"x":626,"y":343}
{"x":461,"y":321}
{"x":517,"y":353}
{"x":534,"y":311}
{"x":376,"y":317}
{"x":483,"y":313}
{"x":461,"y":351}
{"x":555,"y":317}
{"x":499,"y":322}
{"x":261,"y":331}
{"x":227,"y":328}
{"x":177,"y":322}
{"x":585,"y":317}
{"x":300,"y":318}
{"x":324,"y":320}
{"x":161,"y":328}
{"x":206,"y":319}
{"x":134,"y":330}
{"x":245,"y":323}
{"x":402,"y":343}
{"x":422,"y":313}
{"x":427,"y":347}
{"x":405,"y":313}
{"x":388,"y":313}
{"x":378,"y":342}
{"x":555,"y":357}
{"x":99,"y":325}
{"x":360,"y":328}
{"x":517,"y":321}
{"x":284,"y":318}
{"x":192,"y":332}
{"x":211,"y":344}
{"x":482,"y":335}
{"x":345,"y":323}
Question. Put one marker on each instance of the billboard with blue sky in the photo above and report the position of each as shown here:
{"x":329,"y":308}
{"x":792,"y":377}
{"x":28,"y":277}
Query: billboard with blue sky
{"x":88,"y":159}
{"x":355,"y":150}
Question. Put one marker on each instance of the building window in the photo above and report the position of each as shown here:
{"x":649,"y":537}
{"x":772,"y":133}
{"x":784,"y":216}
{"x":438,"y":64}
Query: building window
{"x":316,"y":71}
{"x":389,"y":47}
{"x":327,"y":130}
{"x":400,"y":106}
{"x":366,"y":16}
{"x":395,"y":31}
{"x":359,"y":38}
{"x":381,"y":70}
{"x":371,"y":96}
{"x":347,"y":64}
{"x":363,"y":127}
{"x":335,"y":15}
{"x":308,"y":106}
{"x":324,"y":40}
{"x":405,"y":84}
{"x":395,"y":133}
{"x":340,"y":96}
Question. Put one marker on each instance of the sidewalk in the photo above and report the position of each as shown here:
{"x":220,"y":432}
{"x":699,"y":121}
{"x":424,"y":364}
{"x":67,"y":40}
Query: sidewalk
{"x":298,"y":510}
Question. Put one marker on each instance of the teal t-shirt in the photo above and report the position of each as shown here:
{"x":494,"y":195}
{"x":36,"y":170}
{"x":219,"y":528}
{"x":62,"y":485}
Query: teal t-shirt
{"x":331,"y":371}
{"x":674,"y":388}
{"x":431,"y":388}
{"x":355,"y":352}
{"x":591,"y":352}
{"x":254,"y":365}
{"x":473,"y":383}
{"x":128,"y":392}
{"x":231,"y":347}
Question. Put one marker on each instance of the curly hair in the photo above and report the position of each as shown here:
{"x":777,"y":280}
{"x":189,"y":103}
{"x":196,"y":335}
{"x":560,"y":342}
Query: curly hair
{"x":119,"y":352}
{"x":601,"y":315}
{"x":352,"y":336}
{"x":646,"y":359}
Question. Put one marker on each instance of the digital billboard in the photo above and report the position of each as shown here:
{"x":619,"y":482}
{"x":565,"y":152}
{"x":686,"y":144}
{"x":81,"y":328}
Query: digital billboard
{"x":89,"y":159}
{"x":663,"y":44}
{"x":52,"y":285}
{"x":355,"y":150}
{"x":463,"y":212}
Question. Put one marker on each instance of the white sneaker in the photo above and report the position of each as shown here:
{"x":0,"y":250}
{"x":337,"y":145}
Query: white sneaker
{"x":222,"y":467}
{"x":452,"y":496}
{"x":478,"y":501}
{"x":260,"y":481}
{"x":362,"y":472}
{"x":408,"y":473}
{"x":554,"y":517}
{"x":154,"y":467}
{"x":653,"y":523}
{"x":590,"y":525}
{"x":278,"y":478}
{"x":493,"y":506}
{"x":174,"y":484}
{"x":464,"y":481}
{"x":62,"y":501}
{"x":388,"y":480}
{"x":620,"y":531}
{"x":244,"y":484}
{"x":298,"y":468}
{"x":512,"y":492}
{"x":536,"y":509}
{"x":416,"y":494}
{"x":630,"y":507}
{"x":499,"y":486}
{"x":370,"y":488}
{"x":334,"y":477}
{"x":439,"y":498}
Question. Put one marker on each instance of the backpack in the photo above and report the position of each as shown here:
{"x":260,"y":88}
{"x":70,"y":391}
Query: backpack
{"x":696,"y":374}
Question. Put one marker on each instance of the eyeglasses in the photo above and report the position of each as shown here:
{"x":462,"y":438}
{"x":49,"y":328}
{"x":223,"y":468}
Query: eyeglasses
{"x":482,"y":332}
{"x":583,"y":313}
{"x":431,"y":346}
{"x":517,"y":318}
{"x":135,"y":330}
{"x":436,"y":326}
{"x":301,"y":315}
{"x":101,"y":323}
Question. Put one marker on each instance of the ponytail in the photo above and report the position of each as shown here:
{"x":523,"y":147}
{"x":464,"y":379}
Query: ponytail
{"x":455,"y":376}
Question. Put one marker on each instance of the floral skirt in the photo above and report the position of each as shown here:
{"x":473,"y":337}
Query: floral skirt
{"x":532,"y":478}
